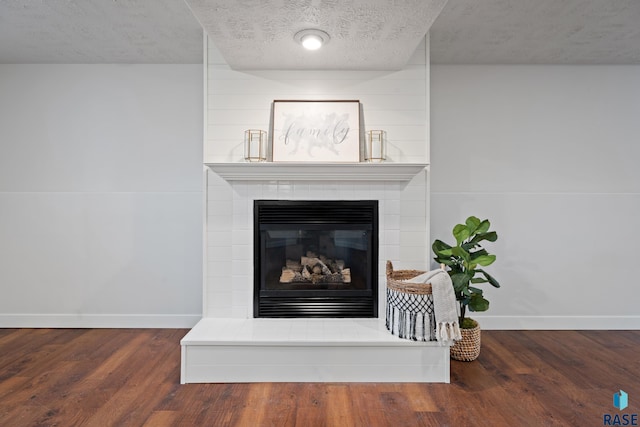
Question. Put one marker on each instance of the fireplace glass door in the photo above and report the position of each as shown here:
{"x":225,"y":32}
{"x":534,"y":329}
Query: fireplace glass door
{"x":315,"y":259}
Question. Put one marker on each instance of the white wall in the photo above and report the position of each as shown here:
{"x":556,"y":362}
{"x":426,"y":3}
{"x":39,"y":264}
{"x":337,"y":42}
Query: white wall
{"x":549,"y":154}
{"x":100,"y":195}
{"x":100,"y":188}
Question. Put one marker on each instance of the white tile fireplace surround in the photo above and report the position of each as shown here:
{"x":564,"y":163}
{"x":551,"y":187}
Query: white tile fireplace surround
{"x":228,"y":345}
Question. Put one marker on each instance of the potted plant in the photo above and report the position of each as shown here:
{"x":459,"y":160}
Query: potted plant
{"x":465,"y":260}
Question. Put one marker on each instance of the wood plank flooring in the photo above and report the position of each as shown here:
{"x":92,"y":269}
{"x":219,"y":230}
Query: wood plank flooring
{"x":131,"y":377}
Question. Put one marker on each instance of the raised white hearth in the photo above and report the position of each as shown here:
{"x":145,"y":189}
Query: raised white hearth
{"x":229,"y":345}
{"x":307,"y":350}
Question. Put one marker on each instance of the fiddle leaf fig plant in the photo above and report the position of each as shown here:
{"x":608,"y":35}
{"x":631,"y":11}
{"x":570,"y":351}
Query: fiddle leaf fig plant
{"x":465,"y":260}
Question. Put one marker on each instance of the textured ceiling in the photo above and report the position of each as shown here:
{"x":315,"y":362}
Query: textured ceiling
{"x":365,"y":34}
{"x":98,"y":31}
{"x":537,"y":32}
{"x":466,"y":32}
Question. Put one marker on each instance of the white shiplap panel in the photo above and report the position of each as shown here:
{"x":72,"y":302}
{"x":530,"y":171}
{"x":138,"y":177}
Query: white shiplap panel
{"x":395,"y":134}
{"x":369,"y":102}
{"x":404,"y":149}
{"x":384,"y":118}
{"x":411,"y":83}
{"x":393,"y":101}
{"x":224,"y":72}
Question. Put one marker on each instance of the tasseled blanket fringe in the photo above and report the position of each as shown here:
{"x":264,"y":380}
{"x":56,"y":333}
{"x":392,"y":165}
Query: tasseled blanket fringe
{"x":416,"y":326}
{"x":448,"y":332}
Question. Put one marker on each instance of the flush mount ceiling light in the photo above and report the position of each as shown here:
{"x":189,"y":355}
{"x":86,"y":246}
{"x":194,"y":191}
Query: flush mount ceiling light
{"x":311,"y":39}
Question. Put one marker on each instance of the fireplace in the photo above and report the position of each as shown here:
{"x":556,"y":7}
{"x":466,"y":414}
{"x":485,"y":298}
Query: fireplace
{"x":315,"y":258}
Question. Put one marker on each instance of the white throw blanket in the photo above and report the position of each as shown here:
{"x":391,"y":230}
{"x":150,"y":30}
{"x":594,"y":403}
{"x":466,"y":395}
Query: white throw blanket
{"x":444,"y":305}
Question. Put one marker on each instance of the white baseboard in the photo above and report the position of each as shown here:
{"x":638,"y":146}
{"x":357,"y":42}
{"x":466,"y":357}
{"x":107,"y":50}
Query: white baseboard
{"x":558,"y":322}
{"x":188,"y":321}
{"x":170,"y":321}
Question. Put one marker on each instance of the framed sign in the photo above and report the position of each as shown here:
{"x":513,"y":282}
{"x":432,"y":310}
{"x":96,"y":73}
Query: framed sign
{"x":316,"y":131}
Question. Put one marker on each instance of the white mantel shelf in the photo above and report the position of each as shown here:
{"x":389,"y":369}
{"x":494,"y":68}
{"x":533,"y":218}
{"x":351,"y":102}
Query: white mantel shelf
{"x":269,"y":171}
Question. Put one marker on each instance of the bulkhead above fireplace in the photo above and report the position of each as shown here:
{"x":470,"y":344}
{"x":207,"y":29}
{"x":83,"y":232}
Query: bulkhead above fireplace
{"x":315,"y":258}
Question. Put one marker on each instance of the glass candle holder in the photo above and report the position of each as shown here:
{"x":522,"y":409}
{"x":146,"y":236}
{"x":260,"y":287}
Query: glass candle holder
{"x":375,"y":150}
{"x":255,"y":145}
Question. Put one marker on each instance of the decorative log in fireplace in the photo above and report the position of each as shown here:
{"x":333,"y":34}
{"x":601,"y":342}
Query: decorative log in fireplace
{"x":315,"y":269}
{"x":315,"y":258}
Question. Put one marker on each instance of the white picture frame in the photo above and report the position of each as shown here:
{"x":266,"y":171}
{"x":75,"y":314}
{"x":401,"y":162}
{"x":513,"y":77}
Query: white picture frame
{"x":316,"y":131}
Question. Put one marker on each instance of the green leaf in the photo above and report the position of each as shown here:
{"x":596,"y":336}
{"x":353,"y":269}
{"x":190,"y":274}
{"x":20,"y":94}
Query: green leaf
{"x":461,"y":233}
{"x":445,"y":253}
{"x":478,"y":280}
{"x":490,"y":278}
{"x":483,"y":227}
{"x":475,"y":290}
{"x":455,"y":269}
{"x":460,"y":281}
{"x":484,"y":260}
{"x":439,"y":245}
{"x":478,"y":303}
{"x":478,"y":253}
{"x":441,"y":249}
{"x":491,"y":236}
{"x":459,"y":252}
{"x":467,"y":246}
{"x":472,"y":224}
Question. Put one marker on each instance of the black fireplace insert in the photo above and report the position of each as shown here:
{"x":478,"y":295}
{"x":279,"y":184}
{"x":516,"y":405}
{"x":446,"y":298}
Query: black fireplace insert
{"x":315,"y":258}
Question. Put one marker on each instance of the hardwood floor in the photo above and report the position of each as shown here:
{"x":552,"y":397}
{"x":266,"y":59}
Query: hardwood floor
{"x":130,"y":377}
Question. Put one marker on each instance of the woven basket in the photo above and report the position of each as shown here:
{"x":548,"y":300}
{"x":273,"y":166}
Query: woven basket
{"x":410,"y":312}
{"x":396,"y":281}
{"x":468,"y":348}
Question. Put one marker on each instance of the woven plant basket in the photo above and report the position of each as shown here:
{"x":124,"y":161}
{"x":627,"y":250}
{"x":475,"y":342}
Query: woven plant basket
{"x":410,"y":312}
{"x":396,"y":281}
{"x":467,"y":349}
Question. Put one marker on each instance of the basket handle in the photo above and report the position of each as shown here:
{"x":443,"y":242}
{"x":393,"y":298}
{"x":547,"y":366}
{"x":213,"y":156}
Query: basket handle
{"x":389,"y":268}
